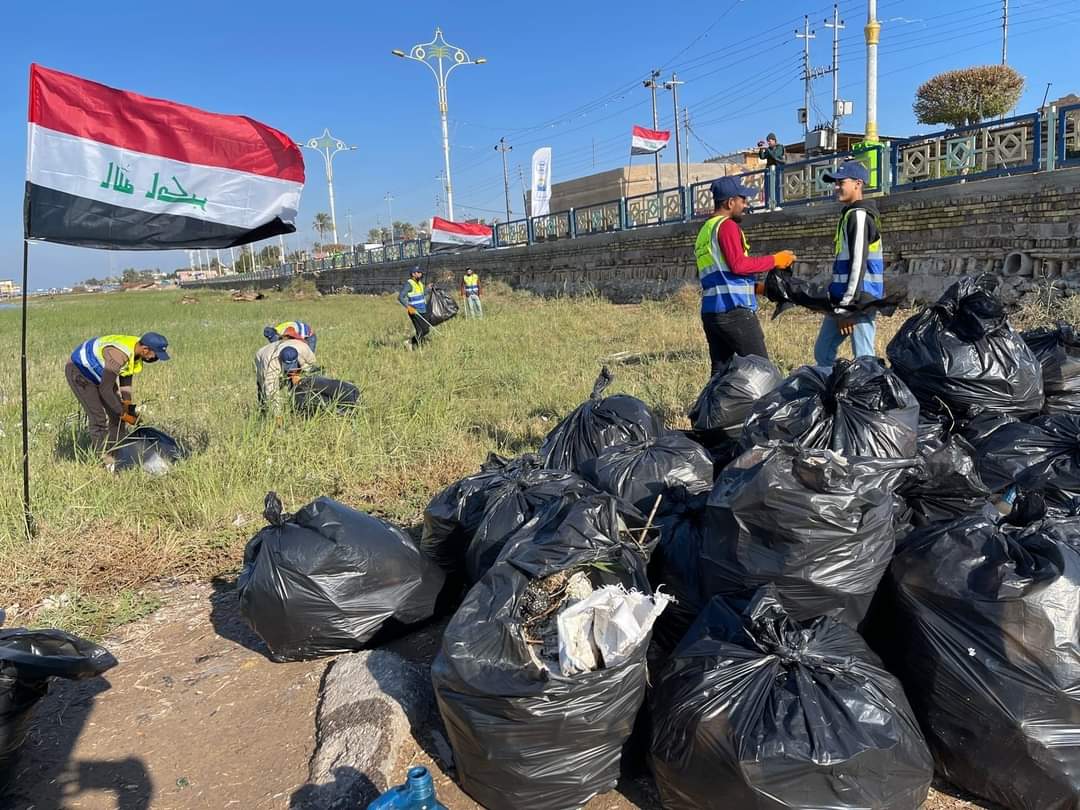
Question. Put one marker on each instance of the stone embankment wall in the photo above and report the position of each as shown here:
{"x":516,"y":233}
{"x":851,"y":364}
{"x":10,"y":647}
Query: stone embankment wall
{"x":931,"y":236}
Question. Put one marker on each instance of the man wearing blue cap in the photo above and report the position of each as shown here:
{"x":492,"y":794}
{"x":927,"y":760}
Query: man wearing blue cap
{"x":413,"y":297}
{"x":726,"y":270}
{"x":283,"y":361}
{"x":100,"y":373}
{"x":858,"y":269}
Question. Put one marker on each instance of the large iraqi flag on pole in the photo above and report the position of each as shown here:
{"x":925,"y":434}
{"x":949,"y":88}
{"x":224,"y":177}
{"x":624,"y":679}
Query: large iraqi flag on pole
{"x":648,"y":141}
{"x":106,"y":168}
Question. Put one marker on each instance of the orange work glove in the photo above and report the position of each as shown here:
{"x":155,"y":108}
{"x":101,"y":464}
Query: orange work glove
{"x":784,"y":259}
{"x":129,"y":418}
{"x":411,"y":310}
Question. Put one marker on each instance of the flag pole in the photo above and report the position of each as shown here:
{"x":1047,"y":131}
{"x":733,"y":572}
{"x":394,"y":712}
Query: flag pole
{"x":28,"y":517}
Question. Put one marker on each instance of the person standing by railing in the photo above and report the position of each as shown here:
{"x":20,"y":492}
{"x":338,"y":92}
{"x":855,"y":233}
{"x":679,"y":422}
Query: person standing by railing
{"x":725,"y":271}
{"x":470,"y":291}
{"x":858,"y":270}
{"x":771,"y":151}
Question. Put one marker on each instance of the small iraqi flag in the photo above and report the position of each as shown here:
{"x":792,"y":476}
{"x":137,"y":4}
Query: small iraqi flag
{"x":648,"y":141}
{"x":106,"y":168}
{"x":445,"y":232}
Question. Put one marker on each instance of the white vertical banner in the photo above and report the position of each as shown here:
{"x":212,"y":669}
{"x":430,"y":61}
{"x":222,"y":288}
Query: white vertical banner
{"x":541,"y":181}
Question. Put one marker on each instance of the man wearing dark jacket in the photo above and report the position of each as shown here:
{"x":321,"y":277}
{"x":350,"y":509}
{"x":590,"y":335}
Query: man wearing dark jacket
{"x":726,"y":272}
{"x":771,"y":151}
{"x":858,"y":270}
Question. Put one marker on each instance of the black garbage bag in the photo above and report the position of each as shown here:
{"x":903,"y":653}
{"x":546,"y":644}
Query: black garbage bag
{"x":149,"y":449}
{"x":524,"y":735}
{"x":961,"y":354}
{"x":675,"y":567}
{"x":758,"y":710}
{"x":817,"y":525}
{"x":513,"y":505}
{"x":946,"y":485}
{"x":785,"y":290}
{"x":327,"y":579}
{"x":727,"y":398}
{"x":454,"y":515}
{"x":1042,"y":455}
{"x":982,"y":629}
{"x":640,"y":472}
{"x":598,"y":423}
{"x":858,"y":408}
{"x":441,"y":306}
{"x":314,"y":394}
{"x":1058,"y":351}
{"x":28,"y":660}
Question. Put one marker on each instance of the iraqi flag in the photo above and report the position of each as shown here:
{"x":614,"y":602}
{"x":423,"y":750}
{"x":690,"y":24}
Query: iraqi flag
{"x":106,"y":168}
{"x":459,"y":234}
{"x":648,"y":141}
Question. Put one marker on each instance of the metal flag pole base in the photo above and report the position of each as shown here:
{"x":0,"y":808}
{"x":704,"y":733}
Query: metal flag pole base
{"x":28,"y":516}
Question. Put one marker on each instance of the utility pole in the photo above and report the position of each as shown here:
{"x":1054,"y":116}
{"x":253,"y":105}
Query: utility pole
{"x":651,"y":84}
{"x":1004,"y":31}
{"x":837,"y":25}
{"x":348,"y":218}
{"x":673,"y":86}
{"x":504,"y":148}
{"x":524,"y":196}
{"x":281,"y":245}
{"x":686,"y":138}
{"x":390,"y":215}
{"x":806,"y":36}
{"x":873,"y":35}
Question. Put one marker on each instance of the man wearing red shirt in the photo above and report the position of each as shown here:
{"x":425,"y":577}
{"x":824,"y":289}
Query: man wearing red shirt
{"x":726,"y":270}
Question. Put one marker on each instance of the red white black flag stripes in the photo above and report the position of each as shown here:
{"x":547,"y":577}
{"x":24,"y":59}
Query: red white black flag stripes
{"x":461,"y":234}
{"x":106,"y":168}
{"x":648,"y":141}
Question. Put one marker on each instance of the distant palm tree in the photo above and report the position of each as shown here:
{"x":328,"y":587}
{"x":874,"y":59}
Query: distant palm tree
{"x":323,"y":224}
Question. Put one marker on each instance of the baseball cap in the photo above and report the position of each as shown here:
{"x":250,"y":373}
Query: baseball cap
{"x":850,"y":169}
{"x":158,"y":343}
{"x":417,"y":270}
{"x":725,"y":187}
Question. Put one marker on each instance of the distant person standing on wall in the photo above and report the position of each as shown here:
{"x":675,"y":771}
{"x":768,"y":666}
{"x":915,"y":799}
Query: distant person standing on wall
{"x":858,"y":269}
{"x":414,"y":299}
{"x":470,"y":291}
{"x":771,"y":151}
{"x":726,"y":270}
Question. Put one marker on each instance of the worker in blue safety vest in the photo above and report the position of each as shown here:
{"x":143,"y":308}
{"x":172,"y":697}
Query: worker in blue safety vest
{"x":470,"y":292}
{"x":858,"y":270}
{"x":414,"y":299}
{"x":726,"y":272}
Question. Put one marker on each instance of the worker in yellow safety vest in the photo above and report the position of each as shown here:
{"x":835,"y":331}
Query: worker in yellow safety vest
{"x":413,"y":297}
{"x":470,"y":291}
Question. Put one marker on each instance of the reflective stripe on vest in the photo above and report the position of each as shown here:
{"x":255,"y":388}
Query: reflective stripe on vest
{"x":417,"y":300}
{"x":303,"y":330}
{"x":472,"y":284}
{"x":89,"y":358}
{"x":873,"y":280}
{"x":721,"y":289}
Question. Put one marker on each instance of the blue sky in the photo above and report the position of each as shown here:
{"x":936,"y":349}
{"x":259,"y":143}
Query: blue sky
{"x":560,"y":74}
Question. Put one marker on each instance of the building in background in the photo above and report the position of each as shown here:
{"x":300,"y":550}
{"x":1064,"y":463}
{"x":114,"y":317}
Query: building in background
{"x":9,"y":289}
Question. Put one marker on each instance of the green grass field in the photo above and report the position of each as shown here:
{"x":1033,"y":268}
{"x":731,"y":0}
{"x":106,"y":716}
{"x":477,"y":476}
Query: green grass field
{"x":426,"y":418}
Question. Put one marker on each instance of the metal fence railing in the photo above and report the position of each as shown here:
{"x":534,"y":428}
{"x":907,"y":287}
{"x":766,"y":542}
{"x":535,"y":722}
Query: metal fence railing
{"x":1010,"y":146}
{"x":1025,"y":143}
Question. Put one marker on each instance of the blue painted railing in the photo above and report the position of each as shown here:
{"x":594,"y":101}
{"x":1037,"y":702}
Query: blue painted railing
{"x":990,"y":149}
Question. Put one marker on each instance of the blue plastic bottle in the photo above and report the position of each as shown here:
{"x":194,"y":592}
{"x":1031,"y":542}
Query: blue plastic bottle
{"x":418,"y":793}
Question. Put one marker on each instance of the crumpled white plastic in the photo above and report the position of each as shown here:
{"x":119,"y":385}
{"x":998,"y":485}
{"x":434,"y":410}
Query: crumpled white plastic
{"x":606,"y":628}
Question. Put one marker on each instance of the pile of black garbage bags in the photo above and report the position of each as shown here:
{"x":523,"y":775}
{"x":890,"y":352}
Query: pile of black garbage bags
{"x":834,"y":584}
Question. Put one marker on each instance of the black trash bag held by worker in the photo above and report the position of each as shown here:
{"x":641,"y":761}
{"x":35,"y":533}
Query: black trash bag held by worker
{"x":523,"y":733}
{"x":857,"y":408}
{"x":441,"y":306}
{"x":817,"y":525}
{"x":29,"y":659}
{"x":513,"y":505}
{"x":648,"y":473}
{"x":961,"y":354}
{"x":718,"y":414}
{"x":327,"y":579}
{"x":758,"y":710}
{"x":784,"y":289}
{"x":981,"y":626}
{"x":315,"y":393}
{"x":453,"y":516}
{"x":1041,"y":455}
{"x":150,"y":449}
{"x":598,"y":423}
{"x":1058,"y":351}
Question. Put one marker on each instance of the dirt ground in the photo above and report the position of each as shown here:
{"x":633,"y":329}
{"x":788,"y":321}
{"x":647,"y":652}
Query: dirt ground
{"x":196,"y":716}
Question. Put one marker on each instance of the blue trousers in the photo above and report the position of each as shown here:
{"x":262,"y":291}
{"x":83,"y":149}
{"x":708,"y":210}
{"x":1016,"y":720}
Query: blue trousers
{"x":829,"y":339}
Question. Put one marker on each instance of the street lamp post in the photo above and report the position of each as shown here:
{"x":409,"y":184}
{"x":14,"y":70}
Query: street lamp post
{"x":434,"y":54}
{"x":873,"y":35}
{"x":328,"y":146}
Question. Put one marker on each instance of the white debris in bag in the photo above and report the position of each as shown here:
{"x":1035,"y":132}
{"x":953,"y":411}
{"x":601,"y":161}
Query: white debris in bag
{"x":606,"y":628}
